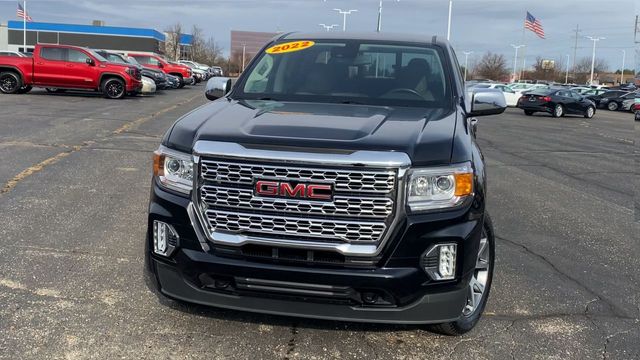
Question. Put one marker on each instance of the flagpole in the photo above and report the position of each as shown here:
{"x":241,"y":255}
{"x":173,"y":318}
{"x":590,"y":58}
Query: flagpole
{"x":524,"y":42}
{"x":24,"y":26}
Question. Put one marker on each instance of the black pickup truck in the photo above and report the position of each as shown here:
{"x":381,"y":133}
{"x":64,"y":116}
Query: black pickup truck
{"x":339,"y":178}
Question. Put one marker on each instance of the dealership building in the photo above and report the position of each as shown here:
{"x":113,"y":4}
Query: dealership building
{"x":97,"y":36}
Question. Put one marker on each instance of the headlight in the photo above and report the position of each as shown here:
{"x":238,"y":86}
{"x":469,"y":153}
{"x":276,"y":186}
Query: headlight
{"x":439,"y":187}
{"x":173,"y":169}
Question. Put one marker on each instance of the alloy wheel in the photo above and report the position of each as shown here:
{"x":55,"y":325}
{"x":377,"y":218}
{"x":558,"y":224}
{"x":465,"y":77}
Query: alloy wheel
{"x":558,"y":110}
{"x":8,"y":83}
{"x":589,"y":112}
{"x":115,"y":89}
{"x":478,"y":283}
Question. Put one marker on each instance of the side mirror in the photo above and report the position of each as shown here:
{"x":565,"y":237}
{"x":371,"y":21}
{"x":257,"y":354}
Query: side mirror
{"x":90,"y":62}
{"x":217,"y":88}
{"x":487,"y":102}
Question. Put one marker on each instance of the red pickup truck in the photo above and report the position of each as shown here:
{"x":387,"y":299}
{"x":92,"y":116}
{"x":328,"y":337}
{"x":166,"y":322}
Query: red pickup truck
{"x":68,"y":67}
{"x":153,"y":61}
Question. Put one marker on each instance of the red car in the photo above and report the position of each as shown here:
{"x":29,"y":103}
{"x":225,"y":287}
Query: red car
{"x":636,"y":108}
{"x":64,"y":67}
{"x":153,"y":61}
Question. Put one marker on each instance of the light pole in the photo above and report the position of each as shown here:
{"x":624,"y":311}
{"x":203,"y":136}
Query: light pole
{"x":566,"y":76}
{"x":515,"y":60}
{"x":344,"y":17}
{"x":624,"y":55}
{"x":379,"y":28}
{"x":328,"y":27}
{"x":449,"y":22}
{"x":466,"y":57}
{"x":593,"y":55}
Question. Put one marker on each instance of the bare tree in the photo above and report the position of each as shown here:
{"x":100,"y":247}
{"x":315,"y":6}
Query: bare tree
{"x":492,"y":66}
{"x":172,"y":41}
{"x":583,"y":69}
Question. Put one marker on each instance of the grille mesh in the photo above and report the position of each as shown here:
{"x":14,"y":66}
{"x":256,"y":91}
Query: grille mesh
{"x":361,"y":210}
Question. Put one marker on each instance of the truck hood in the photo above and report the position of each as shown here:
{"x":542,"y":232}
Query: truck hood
{"x":422,"y":133}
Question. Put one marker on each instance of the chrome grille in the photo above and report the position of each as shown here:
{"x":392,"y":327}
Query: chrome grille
{"x":356,"y":221}
{"x":345,"y":180}
{"x":329,"y":229}
{"x":341,"y":205}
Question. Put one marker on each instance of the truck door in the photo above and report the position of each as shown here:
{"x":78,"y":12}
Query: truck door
{"x":80,"y":73}
{"x":49,"y":66}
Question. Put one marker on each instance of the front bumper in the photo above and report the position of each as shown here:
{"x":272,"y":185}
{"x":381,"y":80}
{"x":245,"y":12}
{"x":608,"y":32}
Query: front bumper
{"x":535,"y":107}
{"x":314,"y":291}
{"x":134,"y":86}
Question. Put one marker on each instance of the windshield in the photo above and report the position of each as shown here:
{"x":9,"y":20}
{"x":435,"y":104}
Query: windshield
{"x":96,"y":55}
{"x":116,"y":58}
{"x":348,"y":71}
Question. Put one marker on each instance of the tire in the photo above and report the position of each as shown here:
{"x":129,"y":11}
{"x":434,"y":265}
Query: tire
{"x":637,"y":115}
{"x":10,"y":83}
{"x":470,"y":317}
{"x":181,"y":83}
{"x":113,"y":88}
{"x":528,"y":112}
{"x":558,"y":111}
{"x":612,"y":105}
{"x":590,"y":112}
{"x":24,"y":89}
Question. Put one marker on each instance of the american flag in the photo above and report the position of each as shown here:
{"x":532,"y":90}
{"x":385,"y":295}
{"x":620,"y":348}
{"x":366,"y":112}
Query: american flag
{"x":23,"y":14}
{"x":534,"y":25}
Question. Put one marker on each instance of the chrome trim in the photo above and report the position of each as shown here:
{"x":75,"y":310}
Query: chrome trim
{"x":397,"y":161}
{"x":379,"y":159}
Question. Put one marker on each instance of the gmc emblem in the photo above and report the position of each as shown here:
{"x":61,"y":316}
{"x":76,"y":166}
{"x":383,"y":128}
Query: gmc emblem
{"x":272,"y":188}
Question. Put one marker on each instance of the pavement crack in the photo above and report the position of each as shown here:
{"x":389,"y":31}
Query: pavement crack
{"x":612,"y":307}
{"x":291,"y":345}
{"x":12,"y":183}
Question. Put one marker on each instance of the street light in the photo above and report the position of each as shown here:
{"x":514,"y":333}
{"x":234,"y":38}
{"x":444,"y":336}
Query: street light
{"x":593,"y":55}
{"x":379,"y":28}
{"x":515,"y":60}
{"x":466,"y":57}
{"x":328,"y":27}
{"x":449,"y":22}
{"x":624,"y":54}
{"x":566,"y":76}
{"x":344,"y":19}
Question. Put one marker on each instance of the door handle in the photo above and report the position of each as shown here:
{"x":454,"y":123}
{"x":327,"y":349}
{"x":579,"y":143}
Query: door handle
{"x":69,"y":65}
{"x":39,"y":63}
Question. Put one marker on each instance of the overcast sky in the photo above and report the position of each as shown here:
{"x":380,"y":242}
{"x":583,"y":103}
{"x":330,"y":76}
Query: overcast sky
{"x":478,"y":25}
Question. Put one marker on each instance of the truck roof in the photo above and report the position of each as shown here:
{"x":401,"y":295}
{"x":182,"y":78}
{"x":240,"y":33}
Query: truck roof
{"x":367,"y":36}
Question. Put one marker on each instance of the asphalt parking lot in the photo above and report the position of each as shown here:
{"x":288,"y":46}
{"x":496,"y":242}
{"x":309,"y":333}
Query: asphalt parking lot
{"x":74,"y":184}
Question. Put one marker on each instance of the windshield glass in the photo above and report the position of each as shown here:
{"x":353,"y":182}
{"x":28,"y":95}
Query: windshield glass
{"x":96,"y":55}
{"x":348,"y":71}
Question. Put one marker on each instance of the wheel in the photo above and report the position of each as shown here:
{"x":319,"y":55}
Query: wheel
{"x":10,"y":83}
{"x":637,"y":116}
{"x":612,"y":105}
{"x":181,"y":83}
{"x":589,"y":113}
{"x":528,"y":112}
{"x":113,"y":88}
{"x":24,"y":89}
{"x":479,"y":286}
{"x":558,"y":111}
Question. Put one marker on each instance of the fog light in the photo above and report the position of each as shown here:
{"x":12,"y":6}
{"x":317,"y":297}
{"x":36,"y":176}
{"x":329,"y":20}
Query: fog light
{"x":165,"y":238}
{"x":439,"y":262}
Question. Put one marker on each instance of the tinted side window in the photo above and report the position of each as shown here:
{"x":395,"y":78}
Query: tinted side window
{"x":142,"y":59}
{"x":76,"y":56}
{"x":51,"y":53}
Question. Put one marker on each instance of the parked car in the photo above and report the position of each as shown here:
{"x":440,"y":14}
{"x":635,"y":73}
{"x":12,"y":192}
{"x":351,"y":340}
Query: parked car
{"x":600,"y":101}
{"x":280,"y":215}
{"x":636,"y":107}
{"x":157,"y":76}
{"x":12,"y":53}
{"x":510,"y":95}
{"x":68,"y":67}
{"x":581,"y":89}
{"x":594,"y":92}
{"x":194,"y":65}
{"x":614,"y":103}
{"x":182,"y":72}
{"x":198,"y":74}
{"x":557,"y":102}
{"x":217,"y":71}
{"x":148,"y":86}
